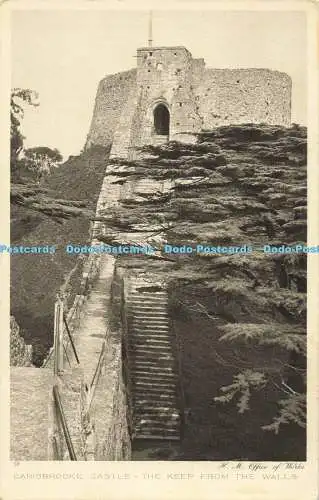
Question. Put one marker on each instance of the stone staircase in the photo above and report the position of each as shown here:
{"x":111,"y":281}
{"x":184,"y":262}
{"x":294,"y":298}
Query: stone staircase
{"x":153,"y":372}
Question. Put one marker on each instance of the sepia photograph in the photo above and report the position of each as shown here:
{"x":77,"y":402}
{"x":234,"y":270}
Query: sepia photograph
{"x":158,"y":235}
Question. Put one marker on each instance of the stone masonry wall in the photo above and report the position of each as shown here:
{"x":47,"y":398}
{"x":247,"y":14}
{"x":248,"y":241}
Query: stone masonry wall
{"x":109,"y":411}
{"x":163,"y":77}
{"x":228,"y":96}
{"x":111,"y":97}
{"x":197,"y":98}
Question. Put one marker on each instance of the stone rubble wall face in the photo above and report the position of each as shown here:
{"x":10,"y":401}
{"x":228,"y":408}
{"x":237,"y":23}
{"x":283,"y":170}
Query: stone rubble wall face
{"x":111,"y":97}
{"x":229,"y":96}
{"x":20,"y":352}
{"x":109,"y":409}
{"x":163,"y":77}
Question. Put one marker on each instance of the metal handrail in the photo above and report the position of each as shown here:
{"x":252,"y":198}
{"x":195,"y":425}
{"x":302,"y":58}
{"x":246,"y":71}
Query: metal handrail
{"x":98,"y":366}
{"x":70,"y":338}
{"x":58,"y":402}
{"x":91,"y":269}
{"x":65,"y":319}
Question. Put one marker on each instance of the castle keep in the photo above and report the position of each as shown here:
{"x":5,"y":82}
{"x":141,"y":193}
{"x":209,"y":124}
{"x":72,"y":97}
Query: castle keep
{"x":171,"y":95}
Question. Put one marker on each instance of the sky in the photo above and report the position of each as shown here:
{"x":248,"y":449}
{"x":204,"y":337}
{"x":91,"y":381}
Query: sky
{"x":63,"y":54}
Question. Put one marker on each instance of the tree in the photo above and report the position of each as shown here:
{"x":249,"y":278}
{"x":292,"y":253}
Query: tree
{"x":38,"y":159}
{"x":237,"y":185}
{"x":42,"y":160}
{"x":19,"y":97}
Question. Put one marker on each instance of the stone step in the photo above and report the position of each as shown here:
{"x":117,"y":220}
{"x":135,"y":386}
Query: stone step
{"x":146,"y":372}
{"x":139,"y":297}
{"x":136,"y":327}
{"x":152,"y":368}
{"x":137,"y":311}
{"x":159,"y":360}
{"x":157,"y":428}
{"x":155,"y":378}
{"x":146,"y":303}
{"x":161,"y":349}
{"x":136,"y":339}
{"x":145,"y":316}
{"x":154,"y":322}
{"x":146,"y":308}
{"x":168,"y":402}
{"x":148,"y":316}
{"x":155,"y":434}
{"x":150,"y":383}
{"x":152,"y":436}
{"x":153,"y":422}
{"x":162,"y":426}
{"x":143,"y":392}
{"x":143,"y":307}
{"x":148,"y":332}
{"x":162,"y":337}
{"x":148,"y":405}
{"x":150,"y":343}
{"x":139,"y":349}
{"x":155,"y":403}
{"x":149,"y":327}
{"x":154,"y":408}
{"x":137,"y":360}
{"x":151,"y":347}
{"x":153,"y":371}
{"x":154,"y":354}
{"x":140,"y":371}
{"x":143,"y":293}
{"x":157,"y":413}
{"x":157,"y":394}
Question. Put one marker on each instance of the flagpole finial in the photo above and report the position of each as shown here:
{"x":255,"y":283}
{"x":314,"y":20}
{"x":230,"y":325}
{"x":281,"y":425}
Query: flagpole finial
{"x":150,"y":29}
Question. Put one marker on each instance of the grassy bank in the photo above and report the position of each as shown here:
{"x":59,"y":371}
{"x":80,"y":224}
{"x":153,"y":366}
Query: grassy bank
{"x":35,"y":279}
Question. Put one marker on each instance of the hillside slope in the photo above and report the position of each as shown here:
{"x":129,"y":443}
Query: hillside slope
{"x":35,"y":279}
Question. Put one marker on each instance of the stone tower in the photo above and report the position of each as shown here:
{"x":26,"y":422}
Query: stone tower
{"x":170,"y":96}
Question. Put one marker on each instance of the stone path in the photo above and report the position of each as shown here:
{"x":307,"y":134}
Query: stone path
{"x":90,"y":334}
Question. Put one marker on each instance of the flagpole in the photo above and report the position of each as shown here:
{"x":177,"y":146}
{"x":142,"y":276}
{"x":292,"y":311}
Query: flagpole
{"x":150,"y":29}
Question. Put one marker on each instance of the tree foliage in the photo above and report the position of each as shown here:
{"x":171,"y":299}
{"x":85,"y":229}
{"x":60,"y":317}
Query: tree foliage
{"x":41,"y":160}
{"x":19,"y":98}
{"x":237,"y":185}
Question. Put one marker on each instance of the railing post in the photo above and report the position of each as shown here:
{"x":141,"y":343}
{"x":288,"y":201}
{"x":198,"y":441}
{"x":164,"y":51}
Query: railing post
{"x":58,"y":336}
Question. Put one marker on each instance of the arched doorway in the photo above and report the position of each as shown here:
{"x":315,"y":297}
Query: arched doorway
{"x":161,"y":120}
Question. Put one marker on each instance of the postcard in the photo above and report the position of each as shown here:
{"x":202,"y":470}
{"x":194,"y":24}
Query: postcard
{"x":159,"y":250}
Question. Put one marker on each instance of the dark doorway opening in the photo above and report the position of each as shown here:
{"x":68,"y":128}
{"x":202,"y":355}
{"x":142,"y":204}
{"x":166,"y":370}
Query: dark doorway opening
{"x":161,"y":120}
